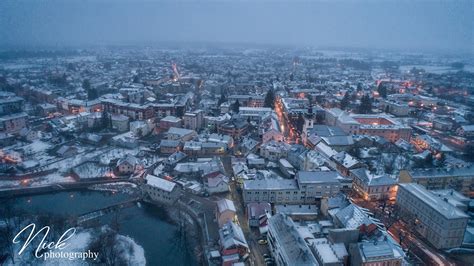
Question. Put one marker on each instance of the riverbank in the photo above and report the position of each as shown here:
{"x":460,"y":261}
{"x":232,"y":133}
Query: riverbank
{"x":190,"y":228}
{"x":59,"y":187}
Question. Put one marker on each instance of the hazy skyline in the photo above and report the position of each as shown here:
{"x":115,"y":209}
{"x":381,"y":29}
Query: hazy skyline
{"x":414,"y":25}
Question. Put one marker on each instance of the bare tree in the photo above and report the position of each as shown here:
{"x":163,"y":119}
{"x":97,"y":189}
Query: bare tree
{"x":9,"y":223}
{"x":105,"y":245}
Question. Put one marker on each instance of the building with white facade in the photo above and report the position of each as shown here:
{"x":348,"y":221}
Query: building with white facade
{"x":440,"y":223}
{"x":161,"y":190}
{"x":305,"y":188}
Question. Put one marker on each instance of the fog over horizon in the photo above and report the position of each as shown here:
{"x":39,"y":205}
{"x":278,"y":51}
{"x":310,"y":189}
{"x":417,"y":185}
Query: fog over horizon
{"x":407,"y":25}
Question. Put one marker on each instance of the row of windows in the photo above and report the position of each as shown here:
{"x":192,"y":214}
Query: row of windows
{"x":160,"y":195}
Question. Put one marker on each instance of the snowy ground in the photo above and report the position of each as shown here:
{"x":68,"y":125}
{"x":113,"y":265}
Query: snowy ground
{"x":61,"y":175}
{"x":130,"y":251}
{"x":91,"y":170}
{"x":49,"y":179}
{"x":125,"y":187}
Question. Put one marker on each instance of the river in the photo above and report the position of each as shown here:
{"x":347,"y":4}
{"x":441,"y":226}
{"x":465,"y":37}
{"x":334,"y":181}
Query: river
{"x":147,"y":224}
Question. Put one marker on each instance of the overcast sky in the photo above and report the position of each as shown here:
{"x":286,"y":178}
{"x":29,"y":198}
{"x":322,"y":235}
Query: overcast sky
{"x":416,"y":25}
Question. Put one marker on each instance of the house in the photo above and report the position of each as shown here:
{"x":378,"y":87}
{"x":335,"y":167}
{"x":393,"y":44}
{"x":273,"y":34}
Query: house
{"x":216,"y":183}
{"x":336,"y":202}
{"x":273,"y":150}
{"x":218,"y":138}
{"x":13,"y":123}
{"x":345,"y":163}
{"x":11,"y":104}
{"x":91,"y":138}
{"x":126,"y":165}
{"x":193,"y":120}
{"x":374,"y":253}
{"x":161,"y":190}
{"x":119,"y":122}
{"x":466,"y":131}
{"x":255,"y":211}
{"x":140,"y":128}
{"x":373,"y":187}
{"x":355,"y":217}
{"x":236,"y":128}
{"x":286,"y":168}
{"x":232,"y":240}
{"x":46,"y":109}
{"x":30,"y":134}
{"x":169,"y":146}
{"x":213,"y":149}
{"x":270,"y":129}
{"x":332,"y":136}
{"x":181,"y":134}
{"x":94,"y":120}
{"x":6,"y":139}
{"x":246,"y":146}
{"x":66,"y":151}
{"x":225,"y":211}
{"x":170,"y":121}
{"x":239,"y":169}
{"x":127,"y":140}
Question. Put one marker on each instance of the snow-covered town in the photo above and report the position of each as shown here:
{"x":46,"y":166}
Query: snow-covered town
{"x":236,"y":155}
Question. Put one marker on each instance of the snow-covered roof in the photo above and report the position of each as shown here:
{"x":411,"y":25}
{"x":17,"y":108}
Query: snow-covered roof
{"x":130,"y":159}
{"x":225,"y":205}
{"x":231,"y":235}
{"x":180,"y":131}
{"x":373,"y":180}
{"x":160,"y":183}
{"x":438,"y":204}
{"x":353,"y":216}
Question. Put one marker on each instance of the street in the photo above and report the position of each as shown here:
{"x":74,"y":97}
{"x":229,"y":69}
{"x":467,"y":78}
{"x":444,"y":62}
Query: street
{"x":252,"y":235}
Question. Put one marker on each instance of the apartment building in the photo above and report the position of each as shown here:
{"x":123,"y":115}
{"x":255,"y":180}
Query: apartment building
{"x":306,"y":188}
{"x":439,"y":222}
{"x":286,"y":244}
{"x":460,"y":179}
{"x":10,"y":105}
{"x":193,"y":120}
